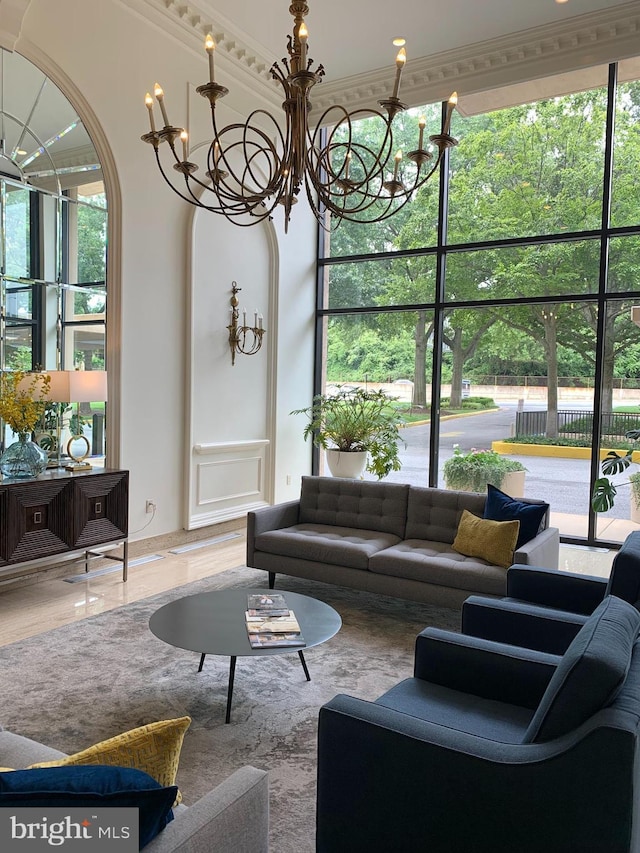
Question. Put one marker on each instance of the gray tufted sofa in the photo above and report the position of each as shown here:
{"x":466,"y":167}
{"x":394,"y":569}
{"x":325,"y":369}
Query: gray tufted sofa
{"x":382,"y":537}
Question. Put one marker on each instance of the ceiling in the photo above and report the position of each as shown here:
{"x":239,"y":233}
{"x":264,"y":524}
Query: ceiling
{"x":470,"y":46}
{"x":351,"y":36}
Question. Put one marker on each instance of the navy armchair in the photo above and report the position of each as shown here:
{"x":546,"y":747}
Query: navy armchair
{"x":544,"y":609}
{"x":490,"y":748}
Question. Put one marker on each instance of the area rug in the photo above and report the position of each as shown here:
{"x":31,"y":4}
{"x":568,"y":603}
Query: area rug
{"x":74,"y":686}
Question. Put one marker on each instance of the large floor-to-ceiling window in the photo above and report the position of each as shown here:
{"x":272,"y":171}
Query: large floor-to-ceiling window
{"x":498,"y":305}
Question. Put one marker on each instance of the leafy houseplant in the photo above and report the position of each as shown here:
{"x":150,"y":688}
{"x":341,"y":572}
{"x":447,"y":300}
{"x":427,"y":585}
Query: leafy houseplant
{"x":472,"y":471}
{"x":604,"y":491}
{"x":356,"y":420}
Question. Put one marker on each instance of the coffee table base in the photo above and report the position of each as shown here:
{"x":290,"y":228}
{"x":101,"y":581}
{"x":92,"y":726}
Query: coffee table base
{"x":232,"y":674}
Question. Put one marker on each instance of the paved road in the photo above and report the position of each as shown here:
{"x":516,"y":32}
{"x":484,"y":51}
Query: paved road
{"x":564,"y":483}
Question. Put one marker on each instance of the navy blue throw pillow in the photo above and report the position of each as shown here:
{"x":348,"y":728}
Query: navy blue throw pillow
{"x":87,"y":785}
{"x":502,"y":507}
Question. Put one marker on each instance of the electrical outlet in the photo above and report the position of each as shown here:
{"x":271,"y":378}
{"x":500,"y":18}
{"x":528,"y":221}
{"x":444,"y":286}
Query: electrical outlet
{"x":150,"y":506}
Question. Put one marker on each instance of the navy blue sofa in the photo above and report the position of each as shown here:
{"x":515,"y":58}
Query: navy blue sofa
{"x":545,"y":609}
{"x":490,"y":748}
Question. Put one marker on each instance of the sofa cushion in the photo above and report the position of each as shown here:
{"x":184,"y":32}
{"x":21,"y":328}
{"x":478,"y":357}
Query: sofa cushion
{"x":493,"y":541}
{"x":502,"y":507}
{"x":437,"y":563}
{"x":360,"y":504}
{"x":324,"y":543}
{"x":91,"y":787}
{"x":154,"y":749}
{"x":434,"y":514}
{"x":464,"y":712}
{"x":591,"y":671}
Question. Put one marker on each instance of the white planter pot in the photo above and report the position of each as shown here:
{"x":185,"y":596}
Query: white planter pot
{"x":513,"y":484}
{"x":344,"y":464}
{"x":635,"y":512}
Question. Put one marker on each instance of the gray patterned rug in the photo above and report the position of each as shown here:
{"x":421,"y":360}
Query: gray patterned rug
{"x":80,"y":684}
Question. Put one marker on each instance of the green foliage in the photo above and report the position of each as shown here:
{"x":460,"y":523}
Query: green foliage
{"x":472,"y":471}
{"x":473,"y":403}
{"x":604,"y":490}
{"x":356,"y":420}
{"x":563,"y":441}
{"x":370,"y":354}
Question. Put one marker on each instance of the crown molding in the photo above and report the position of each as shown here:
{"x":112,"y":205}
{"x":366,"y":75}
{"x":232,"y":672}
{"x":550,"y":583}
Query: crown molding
{"x":579,"y":42}
{"x":12,"y":13}
{"x":238,"y":56}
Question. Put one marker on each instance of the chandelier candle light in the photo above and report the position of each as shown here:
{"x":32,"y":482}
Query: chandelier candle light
{"x":244,"y":339}
{"x":263,"y":168}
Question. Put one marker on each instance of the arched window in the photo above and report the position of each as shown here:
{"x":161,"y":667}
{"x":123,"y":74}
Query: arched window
{"x":53,"y":224}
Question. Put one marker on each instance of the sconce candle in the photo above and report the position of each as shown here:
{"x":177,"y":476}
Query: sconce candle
{"x":451,"y":103}
{"x":149,"y":103}
{"x":421,"y":124}
{"x":401,"y":58}
{"x":210,"y":46}
{"x":303,"y":35}
{"x":159,"y":93}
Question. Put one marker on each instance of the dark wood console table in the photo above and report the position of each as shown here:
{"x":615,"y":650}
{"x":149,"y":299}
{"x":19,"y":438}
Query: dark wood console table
{"x":59,"y":513}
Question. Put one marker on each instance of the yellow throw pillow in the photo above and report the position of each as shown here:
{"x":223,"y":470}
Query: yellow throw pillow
{"x":493,"y":541}
{"x":154,"y":748}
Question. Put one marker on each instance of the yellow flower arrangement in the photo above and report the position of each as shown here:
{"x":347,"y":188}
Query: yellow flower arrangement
{"x":23,"y":398}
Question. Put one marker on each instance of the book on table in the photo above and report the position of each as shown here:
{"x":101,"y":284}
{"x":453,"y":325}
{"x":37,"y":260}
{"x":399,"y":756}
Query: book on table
{"x":264,"y":604}
{"x":273,"y":624}
{"x":275,"y":640}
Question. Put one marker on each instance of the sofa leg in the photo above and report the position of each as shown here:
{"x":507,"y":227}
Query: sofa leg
{"x":272,"y":580}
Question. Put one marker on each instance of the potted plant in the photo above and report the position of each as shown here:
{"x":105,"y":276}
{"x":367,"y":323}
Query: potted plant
{"x":472,"y":471}
{"x":23,"y":398}
{"x":355,"y":423}
{"x":605,"y":491}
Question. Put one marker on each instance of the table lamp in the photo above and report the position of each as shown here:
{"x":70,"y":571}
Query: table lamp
{"x":85,"y":386}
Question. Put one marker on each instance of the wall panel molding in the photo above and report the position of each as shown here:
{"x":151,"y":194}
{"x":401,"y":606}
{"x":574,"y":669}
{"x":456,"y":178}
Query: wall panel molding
{"x":230,"y":480}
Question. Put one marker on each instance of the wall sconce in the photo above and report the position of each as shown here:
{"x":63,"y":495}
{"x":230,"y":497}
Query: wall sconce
{"x":244,"y":339}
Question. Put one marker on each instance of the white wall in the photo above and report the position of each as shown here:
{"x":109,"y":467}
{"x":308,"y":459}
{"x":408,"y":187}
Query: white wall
{"x":112,"y":56}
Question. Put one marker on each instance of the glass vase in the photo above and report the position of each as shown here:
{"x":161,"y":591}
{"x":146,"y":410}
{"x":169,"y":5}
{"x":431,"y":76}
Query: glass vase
{"x":23,"y":459}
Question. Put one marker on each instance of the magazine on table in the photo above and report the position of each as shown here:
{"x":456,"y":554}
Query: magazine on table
{"x":273,"y":624}
{"x":263,"y":604}
{"x":273,"y":641}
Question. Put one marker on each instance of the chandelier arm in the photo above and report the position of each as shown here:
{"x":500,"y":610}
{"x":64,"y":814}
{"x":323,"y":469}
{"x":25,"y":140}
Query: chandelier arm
{"x":193,"y":200}
{"x":263,"y":148}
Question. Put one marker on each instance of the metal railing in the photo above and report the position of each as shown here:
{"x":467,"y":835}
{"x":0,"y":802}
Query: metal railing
{"x":576,"y":424}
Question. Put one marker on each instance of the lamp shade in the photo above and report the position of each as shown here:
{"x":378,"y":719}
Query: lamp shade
{"x":77,"y":386}
{"x":31,"y":385}
{"x":87,"y":386}
{"x":59,"y":386}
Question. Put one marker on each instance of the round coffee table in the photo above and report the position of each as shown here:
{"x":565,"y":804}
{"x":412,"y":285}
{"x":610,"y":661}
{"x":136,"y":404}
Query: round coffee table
{"x":213,"y":623}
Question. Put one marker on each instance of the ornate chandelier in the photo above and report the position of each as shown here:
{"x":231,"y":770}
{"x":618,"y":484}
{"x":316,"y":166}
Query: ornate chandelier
{"x":253,"y":167}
